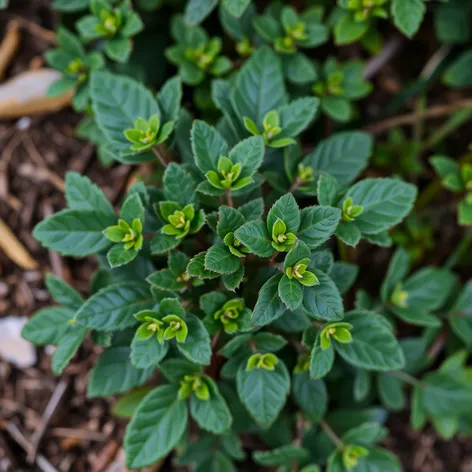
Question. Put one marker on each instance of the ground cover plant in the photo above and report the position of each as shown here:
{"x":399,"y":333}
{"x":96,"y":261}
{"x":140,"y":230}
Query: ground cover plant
{"x":228,"y":304}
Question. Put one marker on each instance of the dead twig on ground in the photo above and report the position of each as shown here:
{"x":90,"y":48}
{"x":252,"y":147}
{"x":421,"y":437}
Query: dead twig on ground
{"x":9,"y":46}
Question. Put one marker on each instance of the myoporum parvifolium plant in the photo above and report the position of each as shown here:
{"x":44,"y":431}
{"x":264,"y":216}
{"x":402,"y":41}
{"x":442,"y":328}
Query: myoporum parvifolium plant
{"x":227,"y":304}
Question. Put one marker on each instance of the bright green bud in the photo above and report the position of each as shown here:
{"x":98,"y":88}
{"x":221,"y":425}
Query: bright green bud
{"x":341,"y":332}
{"x":183,"y":278}
{"x":299,"y":272}
{"x":244,"y":47}
{"x":352,"y":454}
{"x":298,"y":33}
{"x":399,"y":296}
{"x":303,"y":363}
{"x":110,"y":22}
{"x":235,"y":246}
{"x":204,"y":55}
{"x":194,"y":384}
{"x":227,"y":176}
{"x":266,"y":361}
{"x":179,"y":222}
{"x":150,"y":327}
{"x":124,"y":233}
{"x":349,"y":211}
{"x":305,"y":174}
{"x":175,"y":328}
{"x":285,"y":45}
{"x":271,"y":126}
{"x":334,"y":82}
{"x":229,"y":313}
{"x":466,"y":174}
{"x":282,"y":240}
{"x":144,"y":135}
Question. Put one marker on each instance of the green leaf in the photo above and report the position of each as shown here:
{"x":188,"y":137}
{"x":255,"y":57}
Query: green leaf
{"x":428,"y":289}
{"x":196,"y":268}
{"x":220,"y":259}
{"x":390,"y":391}
{"x":397,"y":271}
{"x":290,"y":292}
{"x":256,"y":238}
{"x":197,"y":347}
{"x":461,"y":314}
{"x":459,"y":72}
{"x":259,"y":86}
{"x":162,"y":243}
{"x":348,"y":233}
{"x":373,"y":345}
{"x":385,"y":201}
{"x":70,"y":5}
{"x":74,"y":232}
{"x":48,"y":326}
{"x":83,"y":194}
{"x":408,"y":15}
{"x":197,"y":10}
{"x":165,"y":280}
{"x":252,"y":210}
{"x":179,"y":186}
{"x":269,"y":307}
{"x":68,"y":346}
{"x":343,"y":155}
{"x":310,"y":395}
{"x":249,"y":153}
{"x":327,"y":189}
{"x":207,"y":145}
{"x":269,"y":342}
{"x":176,"y":369}
{"x":117,"y":102}
{"x":287,"y":210}
{"x":126,"y":406}
{"x":348,"y":30}
{"x":321,"y":360}
{"x":297,"y":116}
{"x":338,"y":108}
{"x":233,"y":281}
{"x":63,"y":293}
{"x":287,"y":454}
{"x":323,"y":301}
{"x":236,"y":7}
{"x":147,"y":353}
{"x":113,"y":373}
{"x":156,"y":427}
{"x":263,"y":392}
{"x":343,"y":275}
{"x":299,"y":69}
{"x":213,"y":414}
{"x":170,"y":98}
{"x":317,"y":224}
{"x":118,"y":256}
{"x":112,"y":308}
{"x":229,"y":220}
{"x":216,"y":462}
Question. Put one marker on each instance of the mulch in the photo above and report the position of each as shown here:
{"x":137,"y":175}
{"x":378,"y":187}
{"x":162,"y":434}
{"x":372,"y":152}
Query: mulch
{"x":51,"y":417}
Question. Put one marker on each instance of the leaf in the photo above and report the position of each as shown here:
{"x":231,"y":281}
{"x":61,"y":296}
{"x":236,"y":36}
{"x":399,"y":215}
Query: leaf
{"x":162,"y":243}
{"x":229,"y":220}
{"x":255,"y":237}
{"x":259,"y":86}
{"x":83,"y":194}
{"x":197,"y":347}
{"x":269,"y":342}
{"x":196,"y":268}
{"x":113,"y":373}
{"x":236,"y":7}
{"x":213,"y":414}
{"x":408,"y":15}
{"x":343,"y":275}
{"x":117,"y":101}
{"x":220,"y":259}
{"x":290,"y":292}
{"x":156,"y":427}
{"x":286,"y":209}
{"x":297,"y":116}
{"x":385,"y":201}
{"x":252,"y":210}
{"x":70,"y":5}
{"x":165,"y":280}
{"x":268,"y":307}
{"x":207,"y":146}
{"x":390,"y":391}
{"x":321,"y":361}
{"x":74,"y":232}
{"x":397,"y":271}
{"x":170,"y":98}
{"x":286,"y":454}
{"x":176,"y":369}
{"x":428,"y":288}
{"x":233,"y":281}
{"x":348,"y":233}
{"x":317,"y":224}
{"x":47,"y":326}
{"x":310,"y":395}
{"x":327,"y":189}
{"x":343,"y":155}
{"x":179,"y":186}
{"x":348,"y":30}
{"x":249,"y":153}
{"x":459,"y":74}
{"x":263,"y":392}
{"x":147,"y":353}
{"x":126,"y":406}
{"x":298,"y":252}
{"x":63,"y":293}
{"x":216,"y":462}
{"x":323,"y":301}
{"x":373,"y":345}
{"x":68,"y":346}
{"x":197,"y":10}
{"x":461,"y":314}
{"x":118,"y":256}
{"x":112,"y":308}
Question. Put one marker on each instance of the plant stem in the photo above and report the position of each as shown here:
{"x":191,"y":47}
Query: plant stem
{"x":459,"y":251}
{"x":214,"y":340}
{"x":229,"y":198}
{"x":343,"y":251}
{"x":332,"y":435}
{"x":295,"y":185}
{"x":405,"y":377}
{"x":157,"y":152}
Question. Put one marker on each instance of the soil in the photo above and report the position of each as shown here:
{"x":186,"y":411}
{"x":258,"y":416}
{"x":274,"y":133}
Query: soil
{"x":82,"y":435}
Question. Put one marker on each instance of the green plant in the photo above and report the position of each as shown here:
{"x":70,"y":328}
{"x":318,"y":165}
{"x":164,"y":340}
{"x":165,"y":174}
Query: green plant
{"x":230,"y":270}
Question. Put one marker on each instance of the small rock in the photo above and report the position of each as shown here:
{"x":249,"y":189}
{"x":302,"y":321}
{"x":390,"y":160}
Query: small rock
{"x":13,"y":347}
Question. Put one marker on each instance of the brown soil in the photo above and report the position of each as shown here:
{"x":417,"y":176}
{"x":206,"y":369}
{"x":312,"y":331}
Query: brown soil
{"x":82,"y":435}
